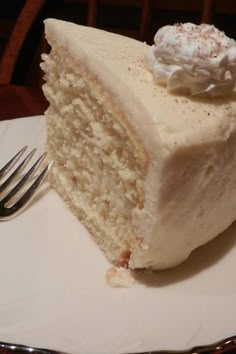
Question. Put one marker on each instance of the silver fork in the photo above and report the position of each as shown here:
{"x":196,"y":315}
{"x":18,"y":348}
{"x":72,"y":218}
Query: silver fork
{"x":10,"y":206}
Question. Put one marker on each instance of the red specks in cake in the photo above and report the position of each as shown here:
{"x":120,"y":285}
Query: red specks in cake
{"x":124,"y":259}
{"x":74,"y":179}
{"x":112,"y":272}
{"x":119,"y":278}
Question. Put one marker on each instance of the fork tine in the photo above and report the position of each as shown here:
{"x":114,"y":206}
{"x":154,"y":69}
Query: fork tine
{"x":27,"y":196}
{"x":22,"y":182}
{"x":17,"y":171}
{"x":5,"y":169}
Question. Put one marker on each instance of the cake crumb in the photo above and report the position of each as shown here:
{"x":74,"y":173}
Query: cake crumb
{"x":119,"y":277}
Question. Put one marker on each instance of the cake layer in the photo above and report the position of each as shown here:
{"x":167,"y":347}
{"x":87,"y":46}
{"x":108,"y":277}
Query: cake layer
{"x":151,"y":174}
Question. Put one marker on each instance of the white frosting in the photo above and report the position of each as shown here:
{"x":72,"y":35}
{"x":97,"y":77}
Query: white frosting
{"x":190,"y":186}
{"x":198,"y":60}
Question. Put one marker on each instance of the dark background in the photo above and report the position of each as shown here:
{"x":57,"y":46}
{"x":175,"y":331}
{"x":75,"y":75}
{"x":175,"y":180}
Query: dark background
{"x":121,"y":16}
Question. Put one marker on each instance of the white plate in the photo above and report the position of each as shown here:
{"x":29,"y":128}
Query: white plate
{"x":53,"y":292}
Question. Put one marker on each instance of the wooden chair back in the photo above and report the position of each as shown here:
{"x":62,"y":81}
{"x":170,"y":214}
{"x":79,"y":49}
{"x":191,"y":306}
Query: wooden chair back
{"x":23,"y":24}
{"x":147,"y":7}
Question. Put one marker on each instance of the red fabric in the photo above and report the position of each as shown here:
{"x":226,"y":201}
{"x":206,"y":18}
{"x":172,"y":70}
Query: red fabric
{"x":21,"y":101}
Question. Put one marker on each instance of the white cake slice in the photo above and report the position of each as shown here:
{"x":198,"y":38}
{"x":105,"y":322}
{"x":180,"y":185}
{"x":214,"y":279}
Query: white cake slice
{"x":151,"y":174}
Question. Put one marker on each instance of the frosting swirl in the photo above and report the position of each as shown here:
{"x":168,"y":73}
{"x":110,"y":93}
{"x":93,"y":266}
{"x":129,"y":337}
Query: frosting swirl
{"x":192,"y":59}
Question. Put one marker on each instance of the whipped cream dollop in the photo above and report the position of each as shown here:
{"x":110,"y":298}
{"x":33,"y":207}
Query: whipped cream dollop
{"x":193,"y":59}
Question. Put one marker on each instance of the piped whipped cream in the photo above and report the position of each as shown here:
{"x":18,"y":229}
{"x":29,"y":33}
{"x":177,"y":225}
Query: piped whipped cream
{"x":192,"y":59}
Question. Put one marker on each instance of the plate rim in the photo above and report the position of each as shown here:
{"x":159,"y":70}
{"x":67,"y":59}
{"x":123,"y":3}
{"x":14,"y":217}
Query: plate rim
{"x":222,"y":346}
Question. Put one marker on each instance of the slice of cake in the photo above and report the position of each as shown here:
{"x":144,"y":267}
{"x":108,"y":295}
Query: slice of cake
{"x":149,"y":172}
